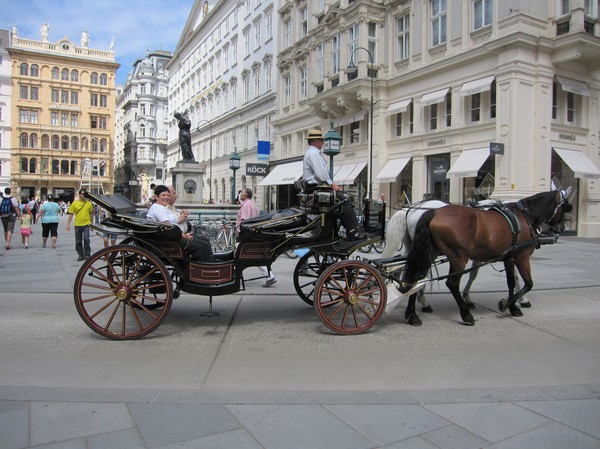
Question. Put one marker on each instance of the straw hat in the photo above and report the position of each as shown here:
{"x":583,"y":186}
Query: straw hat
{"x":314,"y":134}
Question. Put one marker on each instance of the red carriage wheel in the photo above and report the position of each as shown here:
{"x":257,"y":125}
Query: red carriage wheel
{"x":123,"y":292}
{"x":350,"y":296}
{"x":307,"y":271}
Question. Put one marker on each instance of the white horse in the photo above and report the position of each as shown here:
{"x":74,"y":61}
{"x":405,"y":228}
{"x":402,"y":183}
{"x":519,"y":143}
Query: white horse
{"x":399,"y":237}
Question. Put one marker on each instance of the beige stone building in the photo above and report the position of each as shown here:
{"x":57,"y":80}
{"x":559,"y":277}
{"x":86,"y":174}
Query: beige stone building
{"x":63,"y":107}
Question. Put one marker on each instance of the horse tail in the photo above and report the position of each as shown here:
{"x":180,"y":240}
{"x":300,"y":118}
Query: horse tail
{"x":421,"y":255}
{"x":395,"y":233}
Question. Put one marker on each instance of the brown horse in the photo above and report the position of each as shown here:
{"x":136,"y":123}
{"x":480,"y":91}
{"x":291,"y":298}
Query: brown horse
{"x":462,"y":233}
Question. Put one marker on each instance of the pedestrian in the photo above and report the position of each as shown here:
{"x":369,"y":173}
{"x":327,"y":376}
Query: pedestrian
{"x":315,"y":172}
{"x":83,"y":210}
{"x":10,"y":211}
{"x":249,"y":209}
{"x":49,"y":213}
{"x":26,"y":220}
{"x":107,"y":237}
{"x":32,"y":208}
{"x":198,"y":248}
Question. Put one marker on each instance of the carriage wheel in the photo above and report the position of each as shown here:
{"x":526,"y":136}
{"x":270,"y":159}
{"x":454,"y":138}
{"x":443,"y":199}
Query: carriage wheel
{"x":350,"y":297}
{"x":123,"y":292}
{"x":307,"y":271}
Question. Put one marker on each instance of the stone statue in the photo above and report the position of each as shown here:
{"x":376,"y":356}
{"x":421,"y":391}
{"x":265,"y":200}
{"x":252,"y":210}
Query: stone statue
{"x":185,"y":137}
{"x":112,"y":44}
{"x":85,"y":39}
{"x":44,"y":31}
{"x":15,"y":31}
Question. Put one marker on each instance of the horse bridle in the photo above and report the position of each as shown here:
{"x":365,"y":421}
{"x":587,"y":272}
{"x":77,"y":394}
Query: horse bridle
{"x":558,"y":216}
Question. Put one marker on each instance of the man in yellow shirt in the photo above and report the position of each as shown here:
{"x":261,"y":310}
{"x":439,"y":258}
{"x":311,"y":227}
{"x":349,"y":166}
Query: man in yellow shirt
{"x":83,"y":210}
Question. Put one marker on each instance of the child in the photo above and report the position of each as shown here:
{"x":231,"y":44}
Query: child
{"x":26,"y":218}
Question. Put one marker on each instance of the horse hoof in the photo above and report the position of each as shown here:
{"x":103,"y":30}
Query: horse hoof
{"x":502,"y":305}
{"x":471,"y":305}
{"x":515,"y":311}
{"x":525,"y":304}
{"x":414,"y":320}
{"x":468,"y":319}
{"x":427,"y":309}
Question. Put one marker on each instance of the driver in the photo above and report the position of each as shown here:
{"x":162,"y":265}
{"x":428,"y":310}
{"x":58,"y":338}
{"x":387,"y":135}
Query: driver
{"x":315,"y":172}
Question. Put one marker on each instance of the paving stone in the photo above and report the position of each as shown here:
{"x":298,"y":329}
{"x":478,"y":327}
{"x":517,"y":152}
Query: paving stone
{"x":453,"y":437}
{"x":121,"y":439}
{"x":551,"y":436}
{"x":239,"y":438}
{"x":14,"y":425}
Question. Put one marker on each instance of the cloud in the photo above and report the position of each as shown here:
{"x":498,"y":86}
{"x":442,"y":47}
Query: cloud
{"x":136,"y":25}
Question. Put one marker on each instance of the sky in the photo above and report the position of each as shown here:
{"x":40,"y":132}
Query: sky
{"x":137,"y":26}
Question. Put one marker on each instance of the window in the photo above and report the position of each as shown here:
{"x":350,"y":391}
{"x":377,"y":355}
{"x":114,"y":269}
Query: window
{"x":94,"y":121}
{"x":24,"y":69}
{"x":54,"y":118}
{"x":257,"y":41}
{"x":55,"y":95}
{"x":24,"y":92}
{"x":64,"y":96}
{"x":103,"y":145}
{"x":449,"y":109}
{"x":286,"y":91}
{"x":74,"y":75}
{"x":564,"y":7}
{"x":85,"y":144}
{"x":34,"y":70}
{"x":33,"y":165}
{"x":64,"y":167}
{"x":246,"y":88}
{"x":246,"y":44}
{"x":402,"y":36}
{"x":411,"y":118}
{"x":55,"y":142}
{"x":55,"y":73}
{"x":438,"y":22}
{"x":34,"y":93}
{"x":256,"y":82}
{"x":64,"y":74}
{"x":493,"y":99}
{"x":482,"y":13}
{"x":24,"y":140}
{"x":570,"y":107}
{"x":287,"y":33}
{"x":103,"y":101}
{"x":73,"y":170}
{"x":74,"y":97}
{"x":475,"y":107}
{"x":304,"y":21}
{"x":372,"y":44}
{"x":94,"y":78}
{"x":303,"y":83}
{"x":335,"y":54}
{"x":64,"y":119}
{"x":33,"y":117}
{"x":55,"y":166}
{"x":103,"y":79}
{"x":320,"y":61}
{"x":94,"y":145}
{"x":74,"y":143}
{"x":352,"y":40}
{"x":74,"y":120}
{"x":433,"y":111}
{"x":102,"y":123}
{"x":23,"y":116}
{"x":355,"y":132}
{"x":269,"y":26}
{"x":33,"y":141}
{"x":24,"y":165}
{"x":64,"y":143}
{"x":93,"y":99}
{"x":45,"y":141}
{"x":398,"y":126}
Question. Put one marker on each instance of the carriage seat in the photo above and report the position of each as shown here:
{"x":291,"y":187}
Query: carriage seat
{"x":265,"y":226}
{"x":224,"y":256}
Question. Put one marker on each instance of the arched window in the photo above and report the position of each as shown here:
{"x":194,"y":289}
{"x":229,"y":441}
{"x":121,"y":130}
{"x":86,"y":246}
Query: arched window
{"x":33,"y":141}
{"x":55,"y":142}
{"x":74,"y":75}
{"x":33,"y":165}
{"x":74,"y":143}
{"x":64,"y":74}
{"x":95,"y":145}
{"x":103,"y":79}
{"x":24,"y":140}
{"x":34,"y":70}
{"x":103,"y":144}
{"x":55,"y":73}
{"x":24,"y":69}
{"x":45,"y":141}
{"x":85,"y":145}
{"x":94,"y":78}
{"x":64,"y":143}
{"x":24,"y":165}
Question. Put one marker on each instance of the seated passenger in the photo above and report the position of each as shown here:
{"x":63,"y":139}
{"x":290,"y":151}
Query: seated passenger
{"x":199,"y":249}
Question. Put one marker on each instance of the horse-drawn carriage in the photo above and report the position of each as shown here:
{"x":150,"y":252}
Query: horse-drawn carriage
{"x":125,"y":291}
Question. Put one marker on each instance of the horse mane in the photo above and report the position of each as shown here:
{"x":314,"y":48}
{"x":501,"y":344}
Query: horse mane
{"x":540,"y":207}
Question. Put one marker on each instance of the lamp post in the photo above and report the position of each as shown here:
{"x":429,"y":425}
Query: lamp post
{"x":353,"y":69}
{"x":331,"y":147}
{"x":234,"y":164}
{"x":210,"y":158}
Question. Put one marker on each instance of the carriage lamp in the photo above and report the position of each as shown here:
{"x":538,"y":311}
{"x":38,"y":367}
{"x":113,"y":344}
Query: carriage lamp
{"x":331,"y":147}
{"x":234,"y":165}
{"x":351,"y":69}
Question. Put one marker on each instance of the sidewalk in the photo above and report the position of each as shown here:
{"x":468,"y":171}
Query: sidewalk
{"x":267,"y":374}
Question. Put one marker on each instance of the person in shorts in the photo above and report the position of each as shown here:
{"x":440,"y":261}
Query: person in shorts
{"x":48,"y":216}
{"x":9,"y":217}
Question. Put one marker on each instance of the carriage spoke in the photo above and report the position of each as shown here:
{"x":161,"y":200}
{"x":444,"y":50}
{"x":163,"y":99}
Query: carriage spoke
{"x":135,"y":316}
{"x":101,"y":276}
{"x":97,"y":298}
{"x":112,"y":269}
{"x":112,"y":315}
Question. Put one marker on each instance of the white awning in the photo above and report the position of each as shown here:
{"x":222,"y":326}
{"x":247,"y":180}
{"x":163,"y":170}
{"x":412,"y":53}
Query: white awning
{"x":400,"y":106}
{"x":283,"y":174}
{"x":576,"y":87}
{"x":347,"y":119}
{"x":347,"y":173}
{"x":434,"y":97}
{"x":474,"y":87}
{"x":392,"y":169}
{"x":468,"y":163}
{"x":577,"y":161}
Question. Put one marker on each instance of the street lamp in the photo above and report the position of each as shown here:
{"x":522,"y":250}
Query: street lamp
{"x":331,"y":147}
{"x":210,"y":158}
{"x":234,"y":165}
{"x":353,"y":69}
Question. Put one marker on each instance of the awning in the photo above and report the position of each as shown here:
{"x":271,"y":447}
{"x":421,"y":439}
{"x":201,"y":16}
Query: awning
{"x":283,"y":174}
{"x":474,"y":87}
{"x":468,"y":163}
{"x":392,"y":169}
{"x":400,"y":106}
{"x":577,"y":161}
{"x":434,"y":97}
{"x":346,"y":174}
{"x":576,"y":87}
{"x":347,"y":119}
